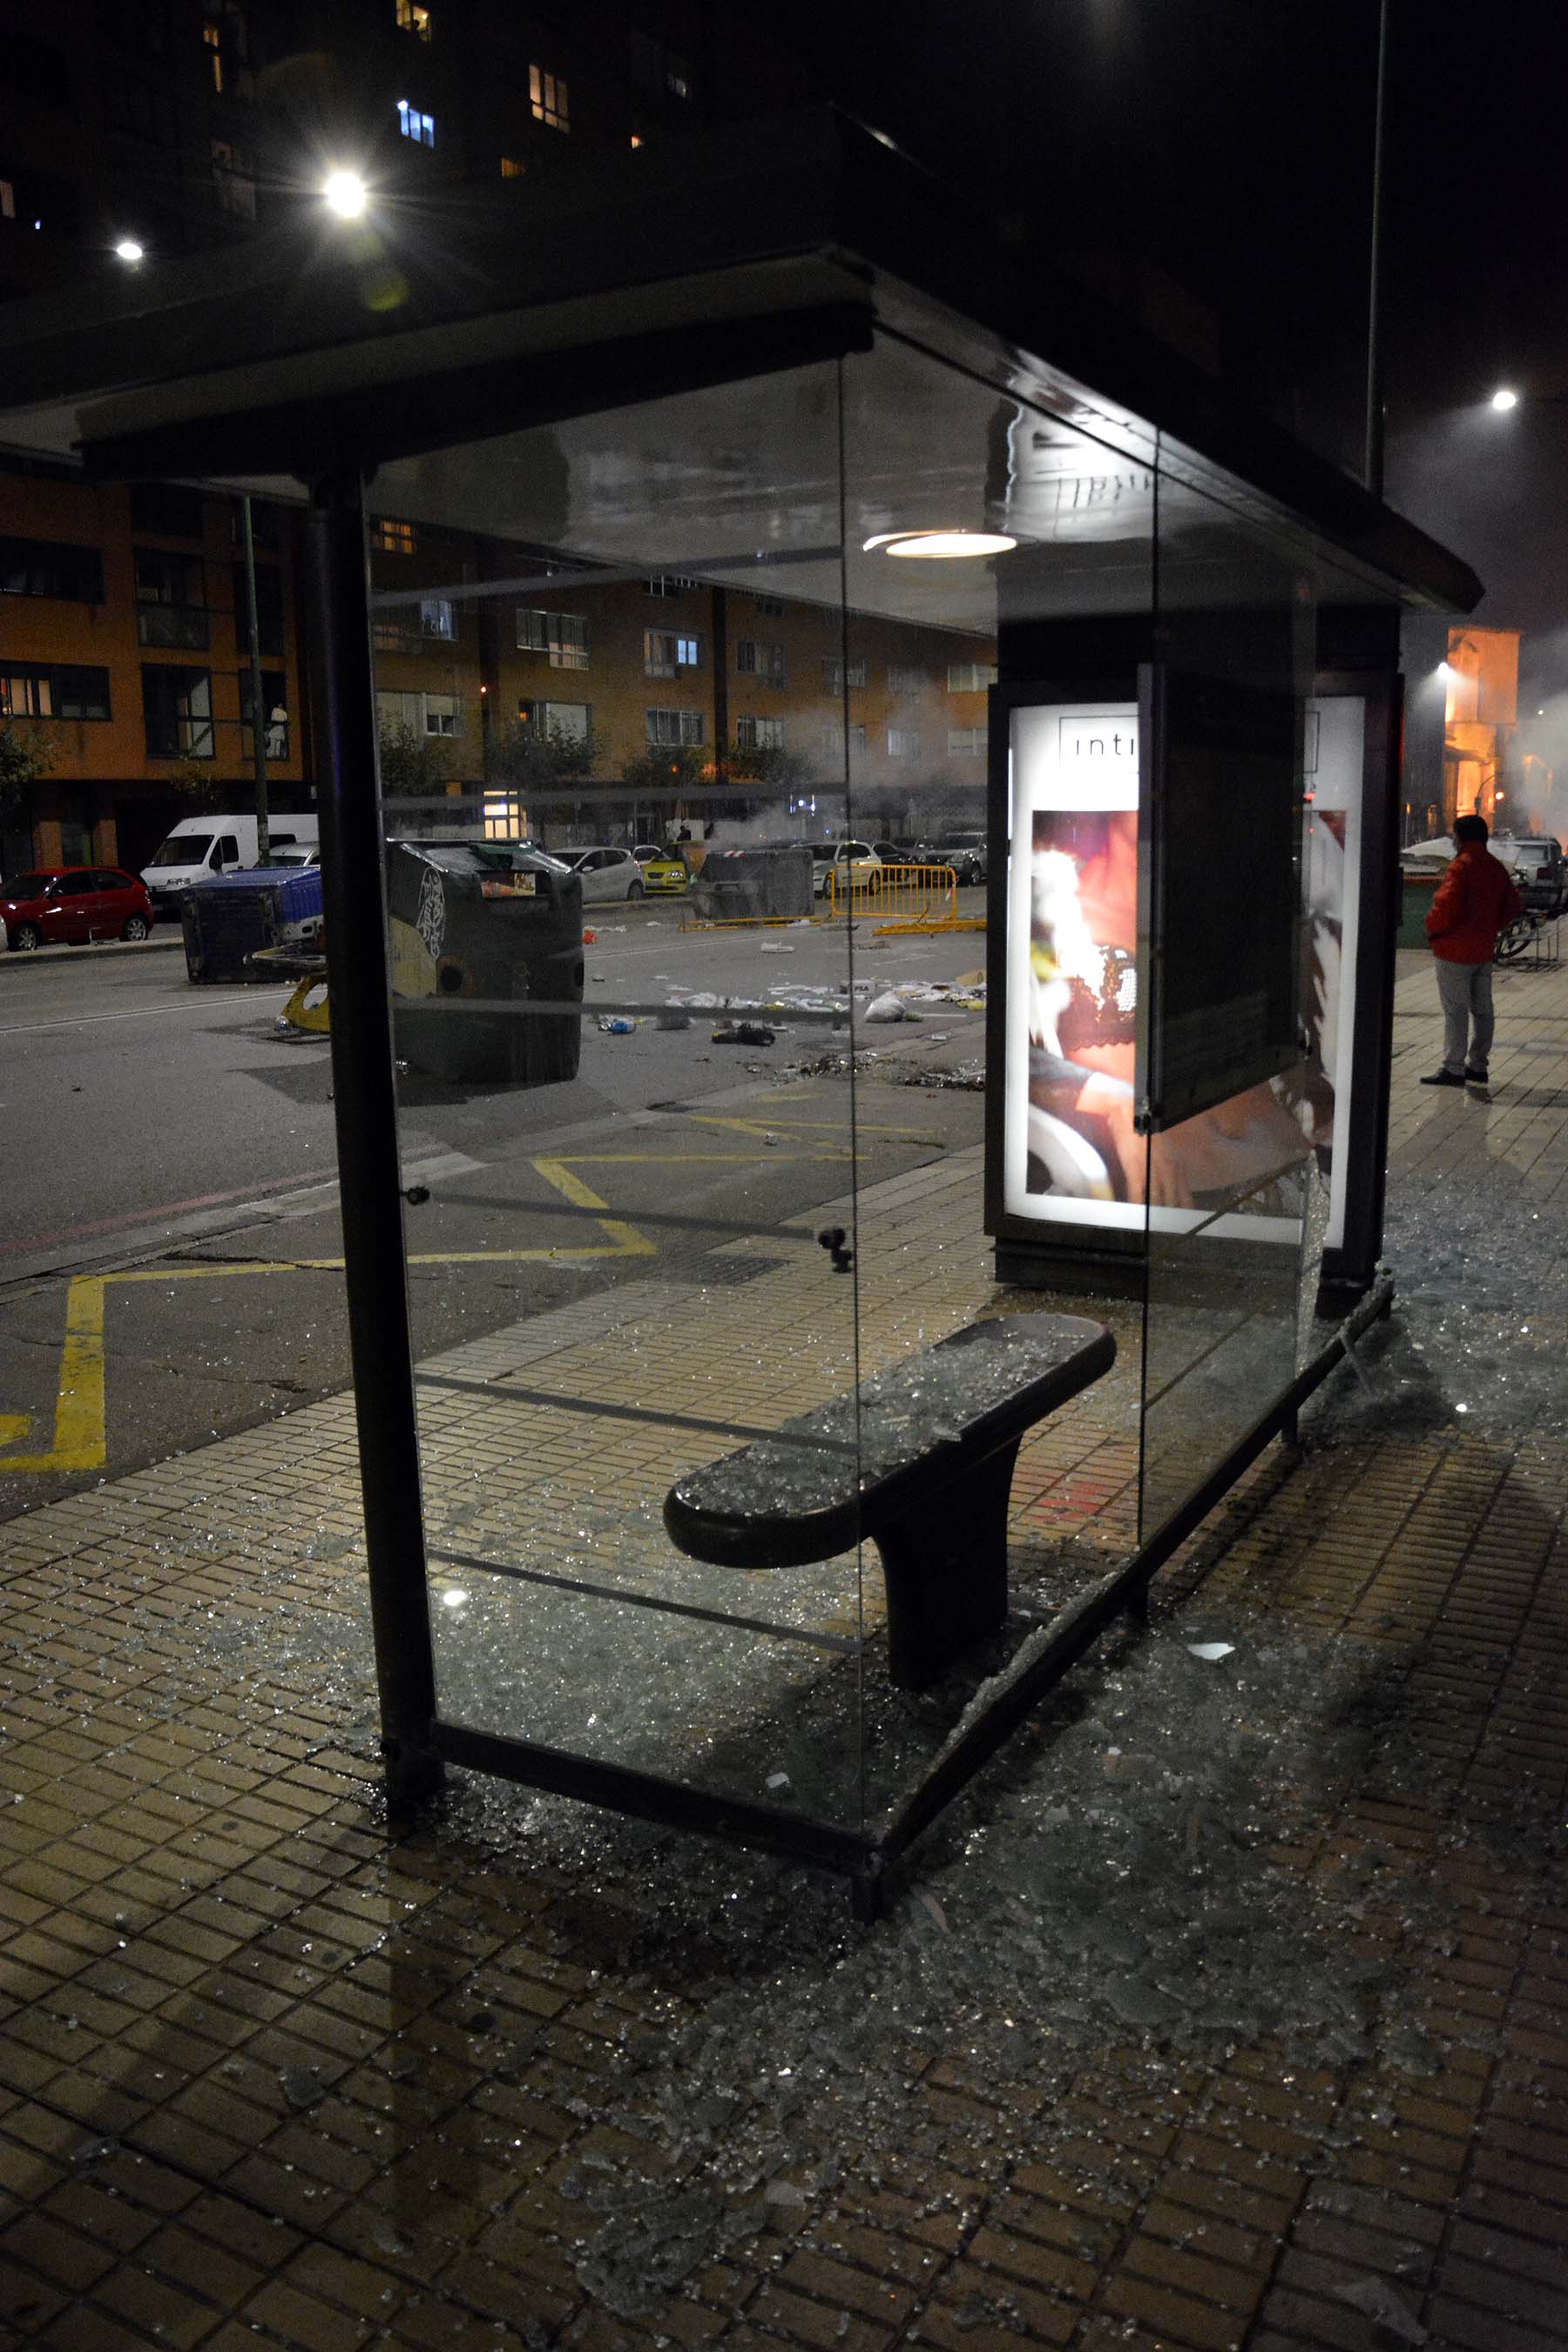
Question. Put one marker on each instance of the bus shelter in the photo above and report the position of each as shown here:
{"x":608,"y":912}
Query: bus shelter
{"x":758,"y":496}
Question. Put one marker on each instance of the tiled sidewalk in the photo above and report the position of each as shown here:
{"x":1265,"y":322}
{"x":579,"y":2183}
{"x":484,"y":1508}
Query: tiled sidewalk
{"x":1231,"y":2009}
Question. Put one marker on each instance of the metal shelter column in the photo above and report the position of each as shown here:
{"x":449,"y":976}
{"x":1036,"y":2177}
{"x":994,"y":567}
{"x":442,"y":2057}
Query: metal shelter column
{"x":365,"y":1087}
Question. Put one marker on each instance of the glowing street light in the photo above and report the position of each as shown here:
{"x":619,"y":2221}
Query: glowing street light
{"x":129,"y":250}
{"x":1505,"y":398}
{"x":345,"y":194}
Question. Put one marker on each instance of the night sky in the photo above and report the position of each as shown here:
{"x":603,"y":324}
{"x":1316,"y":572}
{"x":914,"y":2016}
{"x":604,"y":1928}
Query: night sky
{"x":1230,"y":143}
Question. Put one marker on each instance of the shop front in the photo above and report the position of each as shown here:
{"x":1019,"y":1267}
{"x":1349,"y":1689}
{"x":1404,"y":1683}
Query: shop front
{"x":800,"y":480}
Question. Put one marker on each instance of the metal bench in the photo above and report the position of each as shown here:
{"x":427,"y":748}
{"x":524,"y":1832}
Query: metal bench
{"x":935,"y":1439}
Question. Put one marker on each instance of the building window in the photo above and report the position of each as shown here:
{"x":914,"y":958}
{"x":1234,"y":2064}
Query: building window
{"x":177,"y":713}
{"x":837,"y":674}
{"x":226,"y":46}
{"x":418,"y":714}
{"x":420,"y":128}
{"x":411,"y":18}
{"x":836,"y":740}
{"x":53,"y":690}
{"x":967,"y":742}
{"x":569,"y":722}
{"x":547,"y":97}
{"x":171,"y":599}
{"x":212,"y":37}
{"x":389,"y":538}
{"x":970,"y":677}
{"x":563,"y":636}
{"x":658,"y":66}
{"x":232,"y":179}
{"x":275,"y":703}
{"x":667,"y":652}
{"x":49,"y":567}
{"x":7,"y":200}
{"x":675,"y":727}
{"x":752,"y":734}
{"x":436,"y":617}
{"x":672,"y":584}
{"x":510,"y":169}
{"x":903,"y":679}
{"x":758,"y":657}
{"x":768,"y":604}
{"x":443,"y":714}
{"x":903,"y":743}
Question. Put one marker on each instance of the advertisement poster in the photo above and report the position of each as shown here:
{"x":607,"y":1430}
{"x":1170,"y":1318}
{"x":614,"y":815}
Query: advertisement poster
{"x":1072,"y":1152}
{"x":1336,"y":730}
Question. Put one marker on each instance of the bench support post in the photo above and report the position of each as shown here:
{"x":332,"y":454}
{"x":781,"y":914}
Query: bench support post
{"x":945,"y":1567}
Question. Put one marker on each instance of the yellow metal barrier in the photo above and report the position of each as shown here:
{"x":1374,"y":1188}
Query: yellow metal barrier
{"x":902,"y":899}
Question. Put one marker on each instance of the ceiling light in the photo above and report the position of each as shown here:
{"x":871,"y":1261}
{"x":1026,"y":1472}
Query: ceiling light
{"x":949,"y":544}
{"x":1503,"y":398}
{"x":128,"y":249}
{"x":346,"y":194}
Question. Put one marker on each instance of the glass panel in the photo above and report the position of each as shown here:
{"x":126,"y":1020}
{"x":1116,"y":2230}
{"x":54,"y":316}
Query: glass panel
{"x":1064,"y":595}
{"x":617,"y":1276}
{"x":1232,"y":1189}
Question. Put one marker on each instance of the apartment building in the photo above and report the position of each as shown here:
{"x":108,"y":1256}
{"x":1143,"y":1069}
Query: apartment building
{"x":768,"y":705}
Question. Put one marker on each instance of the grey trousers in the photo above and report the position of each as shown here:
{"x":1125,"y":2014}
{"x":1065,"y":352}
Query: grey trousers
{"x":1465,"y":990}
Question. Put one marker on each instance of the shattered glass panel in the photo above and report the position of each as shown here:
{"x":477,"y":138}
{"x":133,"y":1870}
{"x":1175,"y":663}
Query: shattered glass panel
{"x":610,"y":789}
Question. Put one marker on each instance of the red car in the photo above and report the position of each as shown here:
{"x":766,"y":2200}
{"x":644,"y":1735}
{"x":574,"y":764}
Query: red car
{"x":74,"y":903}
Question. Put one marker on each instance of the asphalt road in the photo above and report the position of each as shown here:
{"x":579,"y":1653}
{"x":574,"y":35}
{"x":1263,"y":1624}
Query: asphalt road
{"x":167,"y":1171}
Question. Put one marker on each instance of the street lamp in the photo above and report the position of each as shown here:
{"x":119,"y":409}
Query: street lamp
{"x":346,"y":194}
{"x":128,"y":249}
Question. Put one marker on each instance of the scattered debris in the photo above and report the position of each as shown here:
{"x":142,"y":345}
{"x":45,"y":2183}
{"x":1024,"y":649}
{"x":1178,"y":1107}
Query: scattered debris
{"x":616,"y":1025}
{"x":1387,"y":2309}
{"x":1212,"y":1651}
{"x":743,"y":1033}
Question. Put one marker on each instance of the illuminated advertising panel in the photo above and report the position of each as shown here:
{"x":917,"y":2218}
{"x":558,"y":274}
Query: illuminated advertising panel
{"x":1073,"y":1152}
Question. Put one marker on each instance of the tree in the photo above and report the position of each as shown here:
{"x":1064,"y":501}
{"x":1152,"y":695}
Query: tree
{"x":768,"y":763}
{"x":667,"y":768}
{"x":413,"y":767}
{"x":26,"y":756}
{"x":199,"y":789}
{"x":524,"y":755}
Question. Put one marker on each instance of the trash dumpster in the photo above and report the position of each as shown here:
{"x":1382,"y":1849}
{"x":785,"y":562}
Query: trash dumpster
{"x":1416,"y":905}
{"x":494,"y":923}
{"x":227,"y":918}
{"x":750,"y":885}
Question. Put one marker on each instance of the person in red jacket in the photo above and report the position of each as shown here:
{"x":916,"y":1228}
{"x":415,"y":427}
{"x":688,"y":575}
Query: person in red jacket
{"x":1475,"y":900}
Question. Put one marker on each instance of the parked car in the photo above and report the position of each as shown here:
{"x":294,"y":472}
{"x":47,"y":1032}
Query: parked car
{"x":605,"y":873}
{"x":850,"y":861}
{"x":966,"y":853}
{"x":667,"y":873}
{"x":643,"y":851}
{"x":1539,"y":871}
{"x":73,"y":904}
{"x":203,"y":845}
{"x":895,"y":853}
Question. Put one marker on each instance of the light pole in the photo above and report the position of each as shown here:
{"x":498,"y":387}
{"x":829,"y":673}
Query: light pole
{"x":258,"y":715}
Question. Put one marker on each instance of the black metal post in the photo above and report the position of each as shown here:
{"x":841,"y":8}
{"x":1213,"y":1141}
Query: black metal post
{"x":1375,"y":385}
{"x":258,"y":715}
{"x":364,"y":1084}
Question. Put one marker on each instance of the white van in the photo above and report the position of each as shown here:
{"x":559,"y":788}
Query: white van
{"x":203,"y":845}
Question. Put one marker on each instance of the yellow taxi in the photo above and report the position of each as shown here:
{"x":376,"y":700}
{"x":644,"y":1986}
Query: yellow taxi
{"x":665,"y":874}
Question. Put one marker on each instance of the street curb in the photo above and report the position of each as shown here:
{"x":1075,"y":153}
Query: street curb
{"x":13,"y":961}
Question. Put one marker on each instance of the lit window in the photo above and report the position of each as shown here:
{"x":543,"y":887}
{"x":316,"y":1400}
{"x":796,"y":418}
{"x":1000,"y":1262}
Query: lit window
{"x":547,"y":97}
{"x":759,"y":734}
{"x":637,"y":138}
{"x":413,"y":19}
{"x":675,"y":726}
{"x":436,"y":618}
{"x":665,"y":651}
{"x":212,"y":36}
{"x":563,"y":636}
{"x":391,"y":538}
{"x":970,"y":677}
{"x":510,"y":169}
{"x":967,"y":742}
{"x":420,"y":128}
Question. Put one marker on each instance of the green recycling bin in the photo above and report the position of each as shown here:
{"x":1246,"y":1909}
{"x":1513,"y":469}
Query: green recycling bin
{"x":480,"y":924}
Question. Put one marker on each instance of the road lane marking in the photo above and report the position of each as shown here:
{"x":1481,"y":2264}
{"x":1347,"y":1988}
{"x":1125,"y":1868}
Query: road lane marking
{"x":81,"y":1424}
{"x":143,"y":1012}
